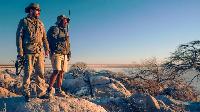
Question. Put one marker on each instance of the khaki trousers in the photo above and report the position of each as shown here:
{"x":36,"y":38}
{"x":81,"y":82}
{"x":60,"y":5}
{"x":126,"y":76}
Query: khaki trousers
{"x":33,"y":62}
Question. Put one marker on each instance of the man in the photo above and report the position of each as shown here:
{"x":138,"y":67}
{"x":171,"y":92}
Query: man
{"x":60,"y":53}
{"x":30,"y":40}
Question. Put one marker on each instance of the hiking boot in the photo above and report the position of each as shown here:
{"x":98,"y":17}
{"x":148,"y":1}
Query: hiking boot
{"x":60,"y":93}
{"x":47,"y":95}
{"x":27,"y":98}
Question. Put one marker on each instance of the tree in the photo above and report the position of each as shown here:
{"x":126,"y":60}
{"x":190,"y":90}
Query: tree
{"x":185,"y":57}
{"x":151,"y":69}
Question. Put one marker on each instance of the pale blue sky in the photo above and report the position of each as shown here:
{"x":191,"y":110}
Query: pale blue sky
{"x":110,"y":31}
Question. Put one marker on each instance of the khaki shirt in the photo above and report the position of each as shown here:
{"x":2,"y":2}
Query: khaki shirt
{"x":31,"y":36}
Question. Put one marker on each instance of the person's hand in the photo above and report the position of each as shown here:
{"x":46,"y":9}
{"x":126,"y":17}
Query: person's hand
{"x":19,"y":56}
{"x":46,"y":54}
{"x":67,"y":34}
{"x":69,"y":56}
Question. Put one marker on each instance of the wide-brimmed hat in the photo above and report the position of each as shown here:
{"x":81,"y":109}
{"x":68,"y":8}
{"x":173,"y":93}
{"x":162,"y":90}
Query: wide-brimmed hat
{"x":61,"y":17}
{"x":32,"y":6}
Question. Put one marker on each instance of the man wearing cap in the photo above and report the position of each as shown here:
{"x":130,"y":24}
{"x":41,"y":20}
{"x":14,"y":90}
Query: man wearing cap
{"x":60,"y":53}
{"x":30,"y":41}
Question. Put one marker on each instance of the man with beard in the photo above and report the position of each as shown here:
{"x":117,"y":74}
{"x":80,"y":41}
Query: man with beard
{"x":30,"y":41}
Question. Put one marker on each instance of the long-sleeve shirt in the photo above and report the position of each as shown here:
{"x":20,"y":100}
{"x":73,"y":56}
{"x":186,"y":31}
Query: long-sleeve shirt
{"x":31,"y":36}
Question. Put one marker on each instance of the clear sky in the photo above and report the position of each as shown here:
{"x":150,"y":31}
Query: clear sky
{"x":110,"y":31}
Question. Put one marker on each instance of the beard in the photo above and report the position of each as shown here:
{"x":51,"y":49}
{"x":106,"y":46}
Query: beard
{"x":62,"y":25}
{"x":36,"y":15}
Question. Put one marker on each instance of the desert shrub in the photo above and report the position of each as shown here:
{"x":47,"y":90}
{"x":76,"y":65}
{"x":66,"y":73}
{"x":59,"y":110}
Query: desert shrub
{"x":182,"y":91}
{"x":151,"y":77}
{"x":151,"y":69}
{"x":80,"y":69}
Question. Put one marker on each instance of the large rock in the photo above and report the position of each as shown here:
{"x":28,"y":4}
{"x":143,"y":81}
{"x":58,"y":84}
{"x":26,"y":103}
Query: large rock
{"x":100,"y":86}
{"x":100,"y":80}
{"x":74,"y":85}
{"x":148,"y":103}
{"x":111,"y":90}
{"x":169,"y":104}
{"x":164,"y":108}
{"x":108,"y":87}
{"x":193,"y":106}
{"x":14,"y":84}
{"x":56,"y":104}
{"x":8,"y":82}
{"x":168,"y":100}
{"x":6,"y":93}
{"x":152,"y":104}
{"x":121,"y":88}
{"x":116,"y":104}
{"x":139,"y":99}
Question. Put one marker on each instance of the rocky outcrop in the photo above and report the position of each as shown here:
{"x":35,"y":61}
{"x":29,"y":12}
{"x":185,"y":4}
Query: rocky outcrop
{"x":102,"y":91}
{"x":99,"y":86}
{"x":56,"y":104}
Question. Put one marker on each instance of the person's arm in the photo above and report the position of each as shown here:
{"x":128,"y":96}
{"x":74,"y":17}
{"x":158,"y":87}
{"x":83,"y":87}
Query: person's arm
{"x":50,"y":36}
{"x":19,"y":36}
{"x":45,"y":43}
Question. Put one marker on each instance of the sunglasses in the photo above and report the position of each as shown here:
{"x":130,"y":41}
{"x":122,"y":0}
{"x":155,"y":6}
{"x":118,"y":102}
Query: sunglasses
{"x":35,"y":9}
{"x":68,"y":20}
